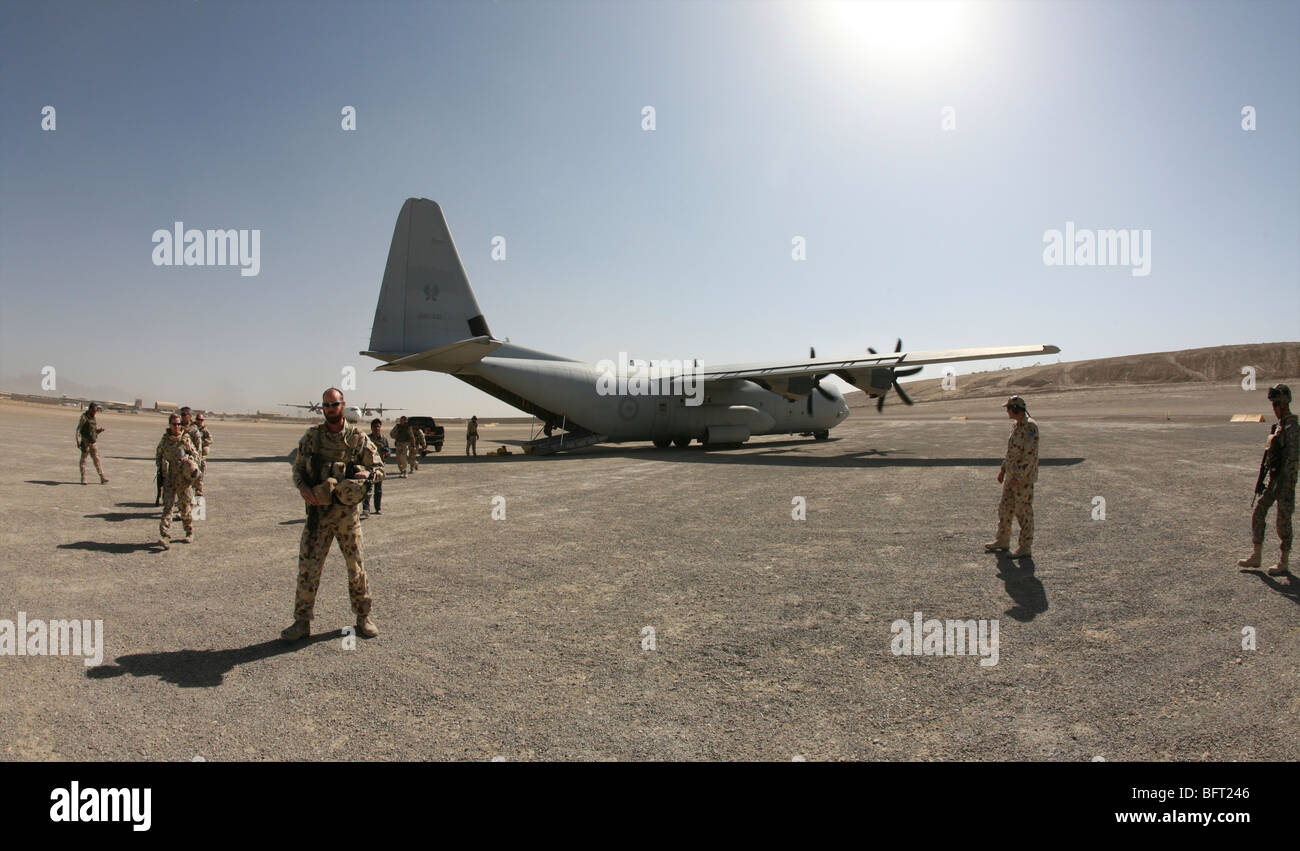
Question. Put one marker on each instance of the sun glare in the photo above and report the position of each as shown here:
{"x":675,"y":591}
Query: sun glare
{"x":897,"y":29}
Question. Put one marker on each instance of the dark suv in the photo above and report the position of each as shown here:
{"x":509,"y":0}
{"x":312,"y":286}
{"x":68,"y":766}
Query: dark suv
{"x":433,"y":433}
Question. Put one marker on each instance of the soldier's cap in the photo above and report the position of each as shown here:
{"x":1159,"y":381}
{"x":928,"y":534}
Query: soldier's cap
{"x":1279,"y":391}
{"x":324,"y":492}
{"x":350,"y":491}
{"x":1016,"y":403}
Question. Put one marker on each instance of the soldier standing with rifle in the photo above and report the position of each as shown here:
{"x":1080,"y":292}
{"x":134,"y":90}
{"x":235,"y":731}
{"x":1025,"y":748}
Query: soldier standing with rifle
{"x":1280,"y":464}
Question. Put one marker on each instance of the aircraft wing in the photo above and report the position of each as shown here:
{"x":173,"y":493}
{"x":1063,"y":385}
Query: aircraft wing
{"x":794,"y":377}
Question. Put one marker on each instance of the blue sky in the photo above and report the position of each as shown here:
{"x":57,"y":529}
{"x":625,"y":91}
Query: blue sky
{"x":773,"y":120}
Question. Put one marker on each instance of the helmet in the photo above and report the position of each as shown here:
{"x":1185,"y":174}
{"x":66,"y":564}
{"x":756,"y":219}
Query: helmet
{"x":1280,"y":393}
{"x":1015,"y":403}
{"x":350,"y":491}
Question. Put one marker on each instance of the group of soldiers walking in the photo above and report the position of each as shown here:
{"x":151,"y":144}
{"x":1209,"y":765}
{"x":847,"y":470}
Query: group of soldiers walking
{"x":181,"y":458}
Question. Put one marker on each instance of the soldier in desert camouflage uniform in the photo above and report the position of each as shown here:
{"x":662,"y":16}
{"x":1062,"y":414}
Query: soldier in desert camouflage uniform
{"x":418,"y":445}
{"x":1018,"y":473}
{"x":87,"y":435}
{"x":332,"y":456}
{"x":178,"y":459}
{"x":404,"y":441}
{"x":191,"y":428}
{"x":1281,"y":462}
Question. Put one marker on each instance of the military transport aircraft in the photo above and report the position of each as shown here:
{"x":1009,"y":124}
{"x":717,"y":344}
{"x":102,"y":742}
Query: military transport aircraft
{"x":428,"y":319}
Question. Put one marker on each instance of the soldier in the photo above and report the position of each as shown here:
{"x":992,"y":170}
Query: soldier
{"x":178,"y":460}
{"x":196,"y":437}
{"x":333,"y":463}
{"x":1018,"y":473}
{"x":205,"y":438}
{"x":417,"y":447}
{"x":88,"y":432}
{"x":401,"y":435}
{"x":375,"y":484}
{"x":471,"y":435}
{"x":1281,"y":460}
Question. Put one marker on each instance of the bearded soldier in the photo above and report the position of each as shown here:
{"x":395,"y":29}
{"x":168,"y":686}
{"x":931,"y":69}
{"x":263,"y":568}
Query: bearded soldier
{"x":333,"y":464}
{"x":87,"y":434}
{"x":1281,"y":456}
{"x":178,"y":462}
{"x":1017,"y":476}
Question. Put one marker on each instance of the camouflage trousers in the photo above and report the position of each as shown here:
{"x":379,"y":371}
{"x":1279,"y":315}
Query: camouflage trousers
{"x":198,"y":483}
{"x":175,"y":493}
{"x":471,"y":442}
{"x":1285,"y":499}
{"x":89,"y":449}
{"x":341,"y":522}
{"x":1018,"y":503}
{"x":403,"y":456}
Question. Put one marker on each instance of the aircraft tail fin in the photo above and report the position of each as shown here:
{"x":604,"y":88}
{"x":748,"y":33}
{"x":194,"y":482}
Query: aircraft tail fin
{"x":425,"y":301}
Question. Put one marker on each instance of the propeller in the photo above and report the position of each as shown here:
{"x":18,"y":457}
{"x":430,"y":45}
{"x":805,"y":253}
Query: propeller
{"x":817,"y":383}
{"x":894,"y":375}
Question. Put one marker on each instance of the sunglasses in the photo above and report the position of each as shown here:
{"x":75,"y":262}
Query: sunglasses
{"x":330,"y":404}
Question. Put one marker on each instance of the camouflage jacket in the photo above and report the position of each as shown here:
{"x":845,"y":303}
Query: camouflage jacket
{"x":420,"y":441}
{"x":87,"y":431}
{"x":170,"y":450}
{"x":350,"y":445}
{"x":380,"y":442}
{"x":206,"y":439}
{"x":1284,"y":454}
{"x":471,"y":428}
{"x":1021,"y":462}
{"x":401,"y":433}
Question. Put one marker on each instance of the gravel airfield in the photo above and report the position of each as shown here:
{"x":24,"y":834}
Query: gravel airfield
{"x":525,"y":638}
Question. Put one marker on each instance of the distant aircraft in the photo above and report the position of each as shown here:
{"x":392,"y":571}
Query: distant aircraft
{"x":428,"y":319}
{"x":377,"y":409}
{"x":311,"y":407}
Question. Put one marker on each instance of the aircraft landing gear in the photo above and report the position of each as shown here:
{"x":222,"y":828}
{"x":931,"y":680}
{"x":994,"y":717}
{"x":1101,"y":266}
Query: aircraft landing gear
{"x":822,"y":435}
{"x":663,"y":442}
{"x":682,"y":442}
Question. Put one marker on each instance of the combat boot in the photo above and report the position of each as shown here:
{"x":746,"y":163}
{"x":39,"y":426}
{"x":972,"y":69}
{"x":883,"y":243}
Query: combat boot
{"x":189,"y":537}
{"x":1283,"y":567}
{"x":997,"y":547}
{"x":103,"y":481}
{"x":366,"y":627}
{"x":1251,"y":560}
{"x":1021,"y":552}
{"x":300,"y":629}
{"x":164,"y":542}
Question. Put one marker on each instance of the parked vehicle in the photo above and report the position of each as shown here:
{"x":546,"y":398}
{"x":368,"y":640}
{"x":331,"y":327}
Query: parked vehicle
{"x":433,"y":433}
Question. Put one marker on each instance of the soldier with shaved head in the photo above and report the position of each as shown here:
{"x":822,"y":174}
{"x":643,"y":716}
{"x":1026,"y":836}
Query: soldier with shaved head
{"x":333,"y":464}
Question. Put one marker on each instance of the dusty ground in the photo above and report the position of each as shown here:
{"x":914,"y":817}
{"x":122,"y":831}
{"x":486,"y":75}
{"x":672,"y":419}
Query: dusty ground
{"x":522,"y":638}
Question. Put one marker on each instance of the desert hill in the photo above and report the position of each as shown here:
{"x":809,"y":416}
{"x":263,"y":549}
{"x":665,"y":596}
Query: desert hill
{"x":1272,"y":362}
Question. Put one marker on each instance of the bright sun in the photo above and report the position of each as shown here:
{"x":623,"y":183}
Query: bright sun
{"x":896,"y":29}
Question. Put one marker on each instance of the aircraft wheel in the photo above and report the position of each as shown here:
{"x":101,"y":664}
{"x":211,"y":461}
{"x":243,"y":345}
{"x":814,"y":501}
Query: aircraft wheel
{"x":822,"y":435}
{"x":663,"y":442}
{"x":682,"y":442}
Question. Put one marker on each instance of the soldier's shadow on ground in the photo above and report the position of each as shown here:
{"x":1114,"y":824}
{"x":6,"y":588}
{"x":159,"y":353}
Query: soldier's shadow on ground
{"x":103,"y":547}
{"x":46,"y":482}
{"x":201,"y":668}
{"x":138,"y":505}
{"x":119,"y":516}
{"x":1287,"y":589}
{"x":1022,"y":587}
{"x":261,"y":459}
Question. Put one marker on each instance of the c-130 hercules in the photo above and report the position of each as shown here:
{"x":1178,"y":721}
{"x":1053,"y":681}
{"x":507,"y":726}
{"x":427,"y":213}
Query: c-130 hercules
{"x":428,"y":319}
